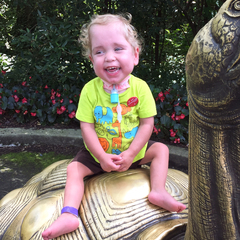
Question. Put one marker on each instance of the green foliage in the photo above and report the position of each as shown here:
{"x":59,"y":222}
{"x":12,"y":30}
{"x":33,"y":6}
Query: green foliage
{"x":172,"y":117}
{"x":27,"y":101}
{"x":49,"y":52}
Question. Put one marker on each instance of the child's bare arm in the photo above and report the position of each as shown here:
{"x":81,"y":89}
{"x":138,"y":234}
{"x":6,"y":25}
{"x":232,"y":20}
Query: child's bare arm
{"x":143,"y":135}
{"x":90,"y":138}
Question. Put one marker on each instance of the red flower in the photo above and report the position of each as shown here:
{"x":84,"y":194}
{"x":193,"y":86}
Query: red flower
{"x":182,"y":116}
{"x":16,"y":98}
{"x":24,"y":100}
{"x":33,"y":114}
{"x":3,"y":72}
{"x":53,"y":92}
{"x":172,"y":133}
{"x":58,"y":95}
{"x":17,"y":111}
{"x":167,"y":92}
{"x":46,"y":87}
{"x":178,"y":118}
{"x":173,"y":116}
{"x":177,"y":140}
{"x":24,"y":83}
{"x":162,"y":98}
{"x":155,"y":130}
{"x":1,"y":86}
{"x":72,"y":114}
{"x":53,"y":101}
{"x":61,"y":109}
{"x":70,"y":101}
{"x":25,"y":112}
{"x":2,"y":111}
{"x":61,"y":101}
{"x":30,"y":77}
{"x":160,"y":94}
{"x":15,"y":91}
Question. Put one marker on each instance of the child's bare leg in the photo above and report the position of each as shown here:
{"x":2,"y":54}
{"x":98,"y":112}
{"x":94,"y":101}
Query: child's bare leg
{"x":158,"y":155}
{"x":74,"y":190}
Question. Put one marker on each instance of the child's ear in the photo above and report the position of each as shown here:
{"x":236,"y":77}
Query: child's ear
{"x":136,"y":56}
{"x":91,"y":59}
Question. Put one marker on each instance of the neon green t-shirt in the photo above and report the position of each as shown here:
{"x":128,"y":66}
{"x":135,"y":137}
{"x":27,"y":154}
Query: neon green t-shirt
{"x":95,"y":107}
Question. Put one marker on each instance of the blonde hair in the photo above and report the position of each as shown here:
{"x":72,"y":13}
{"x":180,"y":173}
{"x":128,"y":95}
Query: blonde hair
{"x":130,"y":32}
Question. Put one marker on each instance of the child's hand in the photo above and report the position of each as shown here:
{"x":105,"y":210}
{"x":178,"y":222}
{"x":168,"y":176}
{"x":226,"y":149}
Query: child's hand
{"x":108,"y":162}
{"x":125,"y":162}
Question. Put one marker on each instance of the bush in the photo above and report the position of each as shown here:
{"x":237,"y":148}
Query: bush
{"x":27,"y":101}
{"x":172,"y":118}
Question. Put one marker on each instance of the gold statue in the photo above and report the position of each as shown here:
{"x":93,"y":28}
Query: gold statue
{"x":114,"y":206}
{"x":213,"y":83}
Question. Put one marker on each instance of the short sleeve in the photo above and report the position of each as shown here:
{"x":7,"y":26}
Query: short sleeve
{"x":84,"y":110}
{"x":147,"y":102}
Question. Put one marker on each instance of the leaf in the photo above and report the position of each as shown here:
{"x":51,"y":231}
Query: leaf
{"x":165,"y":120}
{"x":178,"y":109}
{"x":11,"y":102}
{"x":177,"y":126}
{"x":39,"y":13}
{"x":4,"y":103}
{"x":72,"y":107}
{"x":42,"y":118}
{"x":39,"y":113}
{"x":65,"y":43}
{"x":51,"y":118}
{"x":185,"y":111}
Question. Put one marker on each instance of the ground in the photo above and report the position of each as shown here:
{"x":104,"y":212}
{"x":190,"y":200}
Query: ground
{"x":7,"y":121}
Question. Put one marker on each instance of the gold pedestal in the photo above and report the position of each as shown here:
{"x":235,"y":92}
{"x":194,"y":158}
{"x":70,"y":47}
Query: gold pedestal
{"x":114,"y":206}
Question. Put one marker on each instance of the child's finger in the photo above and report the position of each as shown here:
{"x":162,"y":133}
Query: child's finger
{"x":116,"y":157}
{"x":119,"y":162}
{"x":115,"y":167}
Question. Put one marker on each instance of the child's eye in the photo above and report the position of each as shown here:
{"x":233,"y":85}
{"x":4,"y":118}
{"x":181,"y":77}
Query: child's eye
{"x":98,"y":52}
{"x":118,"y":49}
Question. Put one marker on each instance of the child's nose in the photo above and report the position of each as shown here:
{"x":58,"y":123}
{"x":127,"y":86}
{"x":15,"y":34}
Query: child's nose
{"x":110,"y":56}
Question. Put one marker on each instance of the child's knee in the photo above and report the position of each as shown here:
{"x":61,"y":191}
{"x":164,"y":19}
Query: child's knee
{"x":71,"y":168}
{"x":161,"y":148}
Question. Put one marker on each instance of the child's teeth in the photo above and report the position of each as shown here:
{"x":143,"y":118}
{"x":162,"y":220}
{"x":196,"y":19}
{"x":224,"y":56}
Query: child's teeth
{"x":112,"y":69}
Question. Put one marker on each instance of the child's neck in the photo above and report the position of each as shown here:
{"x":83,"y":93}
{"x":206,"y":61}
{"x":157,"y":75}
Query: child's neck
{"x":122,"y":87}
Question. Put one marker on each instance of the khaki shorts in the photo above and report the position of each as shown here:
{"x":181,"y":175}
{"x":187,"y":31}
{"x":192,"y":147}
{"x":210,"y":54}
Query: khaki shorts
{"x":84,"y":157}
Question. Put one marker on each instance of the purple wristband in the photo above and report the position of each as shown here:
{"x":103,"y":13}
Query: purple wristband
{"x":71,"y":210}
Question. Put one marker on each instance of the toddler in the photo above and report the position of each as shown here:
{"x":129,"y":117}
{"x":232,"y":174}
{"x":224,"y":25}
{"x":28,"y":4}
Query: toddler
{"x":116,"y":112}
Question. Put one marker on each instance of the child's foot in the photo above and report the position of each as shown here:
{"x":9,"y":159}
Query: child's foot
{"x":66,"y":223}
{"x":166,"y":201}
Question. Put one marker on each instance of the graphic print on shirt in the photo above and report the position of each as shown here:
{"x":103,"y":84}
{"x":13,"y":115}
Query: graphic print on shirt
{"x":110,"y":131}
{"x":131,"y":133}
{"x":99,"y":114}
{"x":104,"y":143}
{"x":117,"y":141}
{"x":124,"y":111}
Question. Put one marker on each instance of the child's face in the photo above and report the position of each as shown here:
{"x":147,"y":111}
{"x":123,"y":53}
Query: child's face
{"x":112,"y":56}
